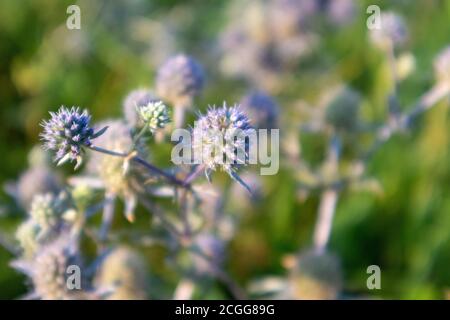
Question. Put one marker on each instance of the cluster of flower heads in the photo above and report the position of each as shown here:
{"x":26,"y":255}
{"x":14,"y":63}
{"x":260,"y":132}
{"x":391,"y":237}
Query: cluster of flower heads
{"x":48,"y":247}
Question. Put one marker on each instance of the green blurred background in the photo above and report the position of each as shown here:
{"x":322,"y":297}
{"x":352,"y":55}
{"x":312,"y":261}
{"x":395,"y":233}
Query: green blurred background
{"x":405,"y":230}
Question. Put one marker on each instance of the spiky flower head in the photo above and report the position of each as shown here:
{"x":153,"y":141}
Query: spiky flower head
{"x":48,"y":210}
{"x":27,"y":236}
{"x":261,"y":109}
{"x":136,"y":98}
{"x":442,"y":66}
{"x":220,"y":139}
{"x":179,"y":80}
{"x":343,"y":110}
{"x":35,"y":180}
{"x":123,"y":272}
{"x":153,"y":115}
{"x":49,"y":270}
{"x":392,"y":31}
{"x":110,"y":170}
{"x":316,"y":276}
{"x":67,"y":132}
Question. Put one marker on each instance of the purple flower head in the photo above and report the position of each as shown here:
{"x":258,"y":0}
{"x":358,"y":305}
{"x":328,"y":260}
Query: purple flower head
{"x":262,"y":109}
{"x":67,"y":131}
{"x":179,"y":80}
{"x":221,"y":140}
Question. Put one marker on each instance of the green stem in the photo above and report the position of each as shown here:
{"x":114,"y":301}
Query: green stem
{"x":138,"y":136}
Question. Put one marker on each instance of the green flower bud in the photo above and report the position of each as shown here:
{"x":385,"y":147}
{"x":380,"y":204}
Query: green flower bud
{"x":154,"y":115}
{"x":343,"y":110}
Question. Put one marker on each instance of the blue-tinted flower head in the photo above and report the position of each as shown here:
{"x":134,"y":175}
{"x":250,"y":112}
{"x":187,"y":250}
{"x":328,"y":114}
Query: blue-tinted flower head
{"x":67,"y":131}
{"x":262,"y":110}
{"x":220,"y":139}
{"x":179,"y":80}
{"x":393,"y":31}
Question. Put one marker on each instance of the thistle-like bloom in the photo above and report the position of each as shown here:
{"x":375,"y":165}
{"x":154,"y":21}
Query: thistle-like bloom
{"x":67,"y":131}
{"x":442,"y":66}
{"x":392,"y":31}
{"x":220,"y":140}
{"x":261,"y":109}
{"x":136,"y":98}
{"x":179,"y":80}
{"x":153,"y":115}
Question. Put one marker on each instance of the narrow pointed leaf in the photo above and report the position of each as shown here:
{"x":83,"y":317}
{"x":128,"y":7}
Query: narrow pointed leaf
{"x":100,"y":132}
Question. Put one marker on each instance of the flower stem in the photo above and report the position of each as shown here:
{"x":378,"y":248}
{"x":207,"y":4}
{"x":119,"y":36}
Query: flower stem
{"x":172,"y":179}
{"x":328,"y":201}
{"x":325,"y":217}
